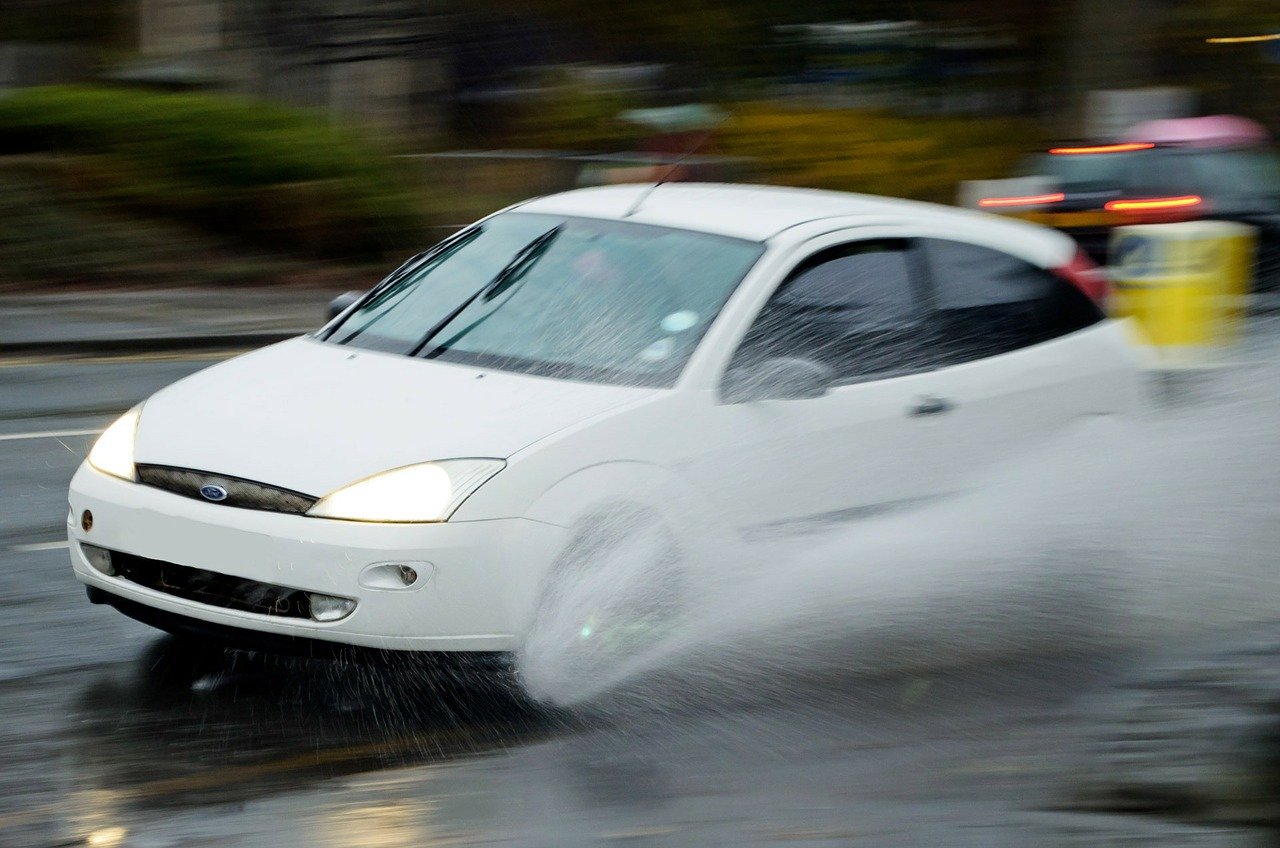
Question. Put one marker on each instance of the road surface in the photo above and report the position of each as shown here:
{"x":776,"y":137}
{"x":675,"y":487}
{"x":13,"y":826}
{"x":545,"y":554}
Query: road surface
{"x":113,"y":734}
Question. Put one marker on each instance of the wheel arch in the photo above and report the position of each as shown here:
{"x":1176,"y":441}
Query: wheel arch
{"x":596,"y":492}
{"x":625,"y":485}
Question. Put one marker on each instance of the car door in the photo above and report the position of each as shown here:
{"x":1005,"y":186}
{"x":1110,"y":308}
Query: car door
{"x":859,"y":309}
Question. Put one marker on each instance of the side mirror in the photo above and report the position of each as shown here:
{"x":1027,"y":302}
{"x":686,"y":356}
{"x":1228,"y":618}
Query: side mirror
{"x":780,"y":378}
{"x":342,"y":303}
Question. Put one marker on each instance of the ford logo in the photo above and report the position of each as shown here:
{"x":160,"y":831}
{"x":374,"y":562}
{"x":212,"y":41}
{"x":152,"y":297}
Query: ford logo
{"x":211,"y":492}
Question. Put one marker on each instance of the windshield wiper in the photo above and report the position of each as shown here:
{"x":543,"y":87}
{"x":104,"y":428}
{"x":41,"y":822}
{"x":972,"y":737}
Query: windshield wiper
{"x":507,"y":277}
{"x":392,"y":284}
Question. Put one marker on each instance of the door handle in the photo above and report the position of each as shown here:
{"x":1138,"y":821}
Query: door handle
{"x":930,"y":405}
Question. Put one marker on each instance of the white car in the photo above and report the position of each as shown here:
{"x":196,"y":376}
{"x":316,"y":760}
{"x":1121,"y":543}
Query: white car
{"x":710,"y":361}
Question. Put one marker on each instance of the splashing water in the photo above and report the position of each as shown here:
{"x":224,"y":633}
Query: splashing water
{"x":1121,"y":533}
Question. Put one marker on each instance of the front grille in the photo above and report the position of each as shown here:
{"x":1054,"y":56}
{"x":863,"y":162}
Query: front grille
{"x":245,"y":494}
{"x":209,"y":587}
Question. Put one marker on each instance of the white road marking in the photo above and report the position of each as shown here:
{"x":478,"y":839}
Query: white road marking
{"x":46,"y":434}
{"x":40,"y":546}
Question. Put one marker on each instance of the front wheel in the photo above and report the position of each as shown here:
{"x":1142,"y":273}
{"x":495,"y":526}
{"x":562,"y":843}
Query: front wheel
{"x":614,"y":595}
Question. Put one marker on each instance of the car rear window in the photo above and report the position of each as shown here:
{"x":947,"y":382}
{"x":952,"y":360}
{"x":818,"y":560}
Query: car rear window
{"x":1237,"y":173}
{"x":1081,"y":171}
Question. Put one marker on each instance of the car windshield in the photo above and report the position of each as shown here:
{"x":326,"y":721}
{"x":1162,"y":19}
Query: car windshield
{"x":577,"y":298}
{"x":1241,"y":174}
{"x":1080,"y":172}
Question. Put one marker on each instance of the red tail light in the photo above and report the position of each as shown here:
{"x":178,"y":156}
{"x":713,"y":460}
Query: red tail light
{"x":1125,"y":147}
{"x":1025,"y":200}
{"x":1154,"y":204}
{"x":1082,"y":273}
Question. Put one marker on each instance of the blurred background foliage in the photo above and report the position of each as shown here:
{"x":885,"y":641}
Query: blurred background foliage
{"x":863,"y":150}
{"x":922,"y":158}
{"x":267,"y":173}
{"x":566,"y":114}
{"x":64,"y":236}
{"x":178,"y":137}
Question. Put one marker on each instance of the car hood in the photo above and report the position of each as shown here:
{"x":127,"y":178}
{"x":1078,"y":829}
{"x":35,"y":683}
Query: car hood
{"x":313,"y":417}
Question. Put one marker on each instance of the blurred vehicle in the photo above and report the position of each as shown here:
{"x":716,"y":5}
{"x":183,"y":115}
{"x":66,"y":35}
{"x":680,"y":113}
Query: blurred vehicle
{"x":682,"y":365}
{"x":1218,"y":167}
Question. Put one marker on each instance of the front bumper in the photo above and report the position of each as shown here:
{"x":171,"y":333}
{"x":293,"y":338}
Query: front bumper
{"x":477,"y":586}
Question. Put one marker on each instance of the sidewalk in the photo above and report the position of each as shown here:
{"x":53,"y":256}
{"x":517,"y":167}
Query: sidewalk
{"x":170,"y":319}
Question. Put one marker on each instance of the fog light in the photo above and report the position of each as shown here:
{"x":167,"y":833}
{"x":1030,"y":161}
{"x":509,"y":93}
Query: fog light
{"x":329,"y":608}
{"x":86,"y":520}
{"x":99,"y":558}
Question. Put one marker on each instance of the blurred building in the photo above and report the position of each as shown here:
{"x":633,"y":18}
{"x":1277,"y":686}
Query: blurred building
{"x":912,"y":66}
{"x":26,"y":63}
{"x":376,"y":62}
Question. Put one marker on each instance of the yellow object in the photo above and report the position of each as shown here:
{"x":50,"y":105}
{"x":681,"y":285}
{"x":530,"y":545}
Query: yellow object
{"x":1243,"y":39}
{"x":1185,"y":285}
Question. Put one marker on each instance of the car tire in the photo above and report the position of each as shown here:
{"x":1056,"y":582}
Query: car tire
{"x":611,"y":599}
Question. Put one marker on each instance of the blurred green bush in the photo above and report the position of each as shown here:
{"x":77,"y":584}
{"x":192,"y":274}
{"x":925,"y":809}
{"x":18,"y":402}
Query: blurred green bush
{"x":268,"y":173}
{"x":874,"y":152}
{"x":58,"y":237}
{"x":922,"y":158}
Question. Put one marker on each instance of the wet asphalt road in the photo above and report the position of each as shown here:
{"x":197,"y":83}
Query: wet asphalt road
{"x":112,"y":734}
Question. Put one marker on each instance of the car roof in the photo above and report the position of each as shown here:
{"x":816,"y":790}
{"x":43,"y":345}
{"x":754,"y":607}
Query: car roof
{"x":1209,"y":131}
{"x":760,"y":213}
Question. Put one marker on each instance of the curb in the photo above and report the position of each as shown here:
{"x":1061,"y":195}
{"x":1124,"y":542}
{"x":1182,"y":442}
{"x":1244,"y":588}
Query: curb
{"x":148,"y":344}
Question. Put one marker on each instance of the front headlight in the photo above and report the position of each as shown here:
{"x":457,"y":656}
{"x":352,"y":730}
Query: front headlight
{"x":113,"y":452}
{"x":412,"y":494}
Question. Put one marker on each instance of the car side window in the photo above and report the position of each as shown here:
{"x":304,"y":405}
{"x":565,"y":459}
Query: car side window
{"x":853,"y":308}
{"x":987,"y":302}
